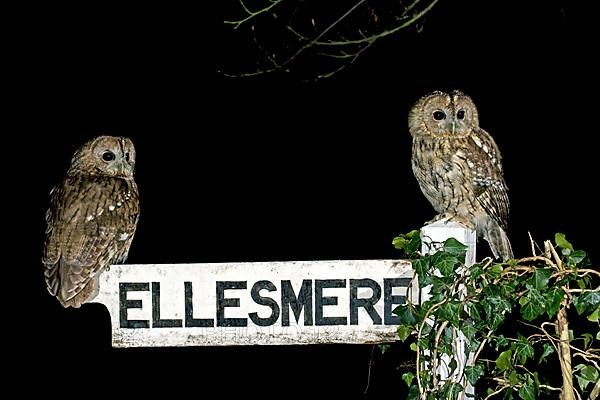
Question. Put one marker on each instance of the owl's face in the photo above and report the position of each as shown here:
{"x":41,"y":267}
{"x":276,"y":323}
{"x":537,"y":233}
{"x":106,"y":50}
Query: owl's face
{"x":443,"y":115}
{"x":105,"y":155}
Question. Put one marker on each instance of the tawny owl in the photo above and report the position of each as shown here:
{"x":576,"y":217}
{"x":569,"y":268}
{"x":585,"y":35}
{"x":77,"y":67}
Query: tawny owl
{"x":92,"y":218}
{"x":458,"y":166}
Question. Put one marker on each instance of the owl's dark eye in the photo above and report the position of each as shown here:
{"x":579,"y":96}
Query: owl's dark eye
{"x":439,"y":115}
{"x":460,"y":114}
{"x":127,"y":157}
{"x":108,"y":156}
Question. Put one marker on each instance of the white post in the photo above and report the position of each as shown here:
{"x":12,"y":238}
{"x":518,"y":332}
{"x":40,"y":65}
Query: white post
{"x":438,"y":232}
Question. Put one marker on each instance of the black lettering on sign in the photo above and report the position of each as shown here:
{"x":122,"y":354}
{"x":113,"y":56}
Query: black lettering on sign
{"x":321,"y":301}
{"x":125,"y":304}
{"x":222,"y":302}
{"x":366,"y":303}
{"x":303,"y":301}
{"x":264,"y":301}
{"x":156,"y":321}
{"x":190,"y":321}
{"x":389,"y":301}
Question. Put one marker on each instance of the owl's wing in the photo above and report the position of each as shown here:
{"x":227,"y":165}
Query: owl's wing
{"x":487,"y":177}
{"x":81,"y":230}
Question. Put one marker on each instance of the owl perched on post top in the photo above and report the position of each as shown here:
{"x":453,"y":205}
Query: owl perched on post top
{"x":92,"y":218}
{"x":458,"y":166}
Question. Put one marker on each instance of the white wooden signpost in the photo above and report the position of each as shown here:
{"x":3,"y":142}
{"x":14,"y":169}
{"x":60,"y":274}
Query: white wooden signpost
{"x":261,"y":303}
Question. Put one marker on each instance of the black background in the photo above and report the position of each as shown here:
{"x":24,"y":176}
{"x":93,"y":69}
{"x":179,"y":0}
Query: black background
{"x":273,"y":168}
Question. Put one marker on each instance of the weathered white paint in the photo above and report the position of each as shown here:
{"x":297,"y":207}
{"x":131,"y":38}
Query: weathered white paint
{"x":204,"y":277}
{"x":431,"y":235}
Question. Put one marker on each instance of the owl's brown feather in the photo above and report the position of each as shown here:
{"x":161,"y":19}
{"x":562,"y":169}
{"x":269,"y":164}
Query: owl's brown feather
{"x":91,"y":224}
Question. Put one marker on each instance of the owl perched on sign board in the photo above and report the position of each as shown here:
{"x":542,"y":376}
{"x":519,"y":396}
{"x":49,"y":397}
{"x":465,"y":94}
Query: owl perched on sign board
{"x":92,"y":218}
{"x":458,"y":167}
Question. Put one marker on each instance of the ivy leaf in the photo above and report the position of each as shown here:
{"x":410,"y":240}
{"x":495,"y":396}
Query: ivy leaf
{"x":586,"y":374}
{"x":553,"y":299}
{"x":409,"y":242}
{"x":473,"y":373}
{"x":413,"y":346}
{"x":403,"y":332}
{"x":421,"y":267}
{"x":576,"y":257}
{"x":535,"y":305}
{"x":513,"y":378}
{"x":495,"y":271}
{"x":446,"y":263}
{"x":548,"y":349}
{"x":413,"y":393}
{"x":405,"y":314}
{"x":540,"y":278}
{"x":530,"y":311}
{"x":408,"y":377}
{"x":586,"y":301}
{"x":468,"y":329}
{"x":449,"y":312}
{"x":562,"y":242}
{"x":455,"y":247}
{"x":528,"y":390}
{"x":503,"y":360}
{"x":587,"y":338}
{"x":524,"y":351}
{"x":593,"y":317}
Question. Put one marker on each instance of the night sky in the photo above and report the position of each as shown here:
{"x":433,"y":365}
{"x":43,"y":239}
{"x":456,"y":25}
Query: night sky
{"x":278,"y":168}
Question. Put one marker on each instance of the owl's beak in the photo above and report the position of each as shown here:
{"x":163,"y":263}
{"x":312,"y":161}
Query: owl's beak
{"x":453,"y":127}
{"x":123,"y":167}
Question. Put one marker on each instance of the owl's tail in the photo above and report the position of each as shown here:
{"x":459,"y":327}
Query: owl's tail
{"x":497,"y":239}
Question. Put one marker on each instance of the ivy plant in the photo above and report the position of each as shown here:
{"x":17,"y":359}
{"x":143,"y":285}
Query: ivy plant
{"x":520,"y":322}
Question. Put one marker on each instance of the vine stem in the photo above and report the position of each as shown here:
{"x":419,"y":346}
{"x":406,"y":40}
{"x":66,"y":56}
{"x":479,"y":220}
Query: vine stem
{"x":562,"y":329}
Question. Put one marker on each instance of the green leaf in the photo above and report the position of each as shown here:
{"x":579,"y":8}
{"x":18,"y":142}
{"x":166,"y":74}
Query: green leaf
{"x":473,"y":373}
{"x":410,"y":242}
{"x":383,"y":348}
{"x":524,"y":351}
{"x":528,"y":390}
{"x":593,"y":317}
{"x":413,"y":393}
{"x":523,"y":301}
{"x":548,"y":349}
{"x":421,"y":266}
{"x":576,"y":257}
{"x":449,"y":312}
{"x":535,"y":305}
{"x":446,"y":263}
{"x":598,"y":335}
{"x":455,"y":247}
{"x":408,"y":377}
{"x":495,"y":271}
{"x":530,"y":311}
{"x":405,"y":314}
{"x":562,"y":242}
{"x":586,"y":375}
{"x":540,"y":278}
{"x":503,"y":362}
{"x":586,"y":302}
{"x":403,"y":332}
{"x":587,"y":338}
{"x":451,"y":390}
{"x":553,"y":299}
{"x":413,"y":346}
{"x":468,"y":329}
{"x":513,"y":378}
